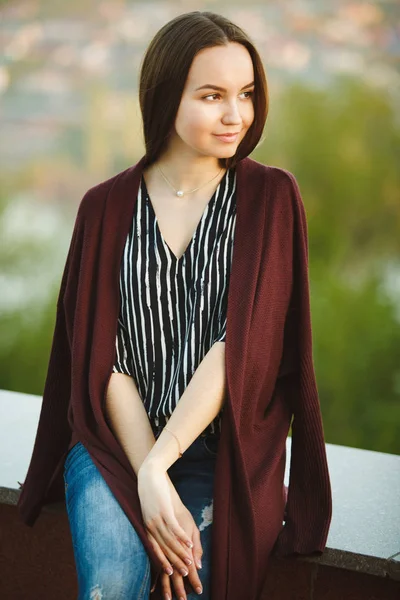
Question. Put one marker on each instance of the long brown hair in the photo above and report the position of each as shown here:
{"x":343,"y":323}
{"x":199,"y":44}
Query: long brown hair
{"x":164,"y":70}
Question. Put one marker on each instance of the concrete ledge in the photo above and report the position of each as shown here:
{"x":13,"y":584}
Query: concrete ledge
{"x":365,"y":531}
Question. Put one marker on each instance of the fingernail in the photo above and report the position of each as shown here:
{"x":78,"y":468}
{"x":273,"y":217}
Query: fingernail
{"x":167,"y":596}
{"x":189,"y":544}
{"x":169,"y":571}
{"x":188,"y":561}
{"x":183,"y":572}
{"x":199,"y":590}
{"x":199,"y":563}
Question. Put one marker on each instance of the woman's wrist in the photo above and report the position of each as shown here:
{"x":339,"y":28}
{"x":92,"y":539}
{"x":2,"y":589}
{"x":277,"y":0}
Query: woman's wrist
{"x":151,"y":466}
{"x":163,"y":454}
{"x":155,"y":470}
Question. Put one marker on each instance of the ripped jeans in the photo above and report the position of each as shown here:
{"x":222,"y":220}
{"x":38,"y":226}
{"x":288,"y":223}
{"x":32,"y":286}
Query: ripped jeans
{"x":111,"y":561}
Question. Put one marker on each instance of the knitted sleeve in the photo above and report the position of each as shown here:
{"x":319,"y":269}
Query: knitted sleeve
{"x":53,"y":428}
{"x":309,"y":503}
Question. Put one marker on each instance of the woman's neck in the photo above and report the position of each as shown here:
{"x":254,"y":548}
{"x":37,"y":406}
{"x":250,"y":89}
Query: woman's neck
{"x":187,"y":175}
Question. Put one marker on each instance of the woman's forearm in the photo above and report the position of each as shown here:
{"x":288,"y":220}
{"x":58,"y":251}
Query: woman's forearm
{"x":130,"y":422}
{"x":128,"y":418}
{"x":200,"y":403}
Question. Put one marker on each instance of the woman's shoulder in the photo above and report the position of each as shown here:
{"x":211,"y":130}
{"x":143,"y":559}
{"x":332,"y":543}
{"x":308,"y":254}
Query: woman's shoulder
{"x":93,"y":200}
{"x":270,"y":172}
{"x":280,"y":184}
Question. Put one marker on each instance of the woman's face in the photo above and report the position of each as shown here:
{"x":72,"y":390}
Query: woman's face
{"x":208,"y":112}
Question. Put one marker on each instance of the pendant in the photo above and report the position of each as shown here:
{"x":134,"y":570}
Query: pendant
{"x":179,"y":193}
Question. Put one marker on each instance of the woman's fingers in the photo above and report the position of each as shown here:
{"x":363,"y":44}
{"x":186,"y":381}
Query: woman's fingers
{"x":179,"y":586}
{"x":197,"y":547}
{"x":177,"y":583}
{"x":167,"y":539}
{"x":180,"y":582}
{"x":186,"y":520}
{"x":191,"y":578}
{"x":173,"y":549}
{"x":194,"y":579}
{"x":179,"y":532}
{"x":171,"y":531}
{"x":174,"y":535}
{"x":166,"y":565}
{"x":171,"y":562}
{"x":166,"y":587}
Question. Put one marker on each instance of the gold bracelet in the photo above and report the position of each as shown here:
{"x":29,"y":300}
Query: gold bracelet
{"x":179,"y":446}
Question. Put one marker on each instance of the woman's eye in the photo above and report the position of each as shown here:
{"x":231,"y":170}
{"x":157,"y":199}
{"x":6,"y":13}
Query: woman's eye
{"x":212,"y":95}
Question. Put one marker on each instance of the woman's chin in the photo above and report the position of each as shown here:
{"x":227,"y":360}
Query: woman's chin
{"x":223,"y":152}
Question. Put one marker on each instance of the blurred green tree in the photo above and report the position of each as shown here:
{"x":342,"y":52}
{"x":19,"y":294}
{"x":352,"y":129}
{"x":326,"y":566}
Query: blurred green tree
{"x":343,"y":145}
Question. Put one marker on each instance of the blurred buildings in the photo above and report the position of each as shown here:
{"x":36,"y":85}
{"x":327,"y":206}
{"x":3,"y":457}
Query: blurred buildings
{"x":68,"y":67}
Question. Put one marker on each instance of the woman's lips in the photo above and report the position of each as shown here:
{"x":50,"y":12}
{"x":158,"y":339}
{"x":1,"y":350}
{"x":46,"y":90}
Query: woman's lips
{"x":227,"y":138}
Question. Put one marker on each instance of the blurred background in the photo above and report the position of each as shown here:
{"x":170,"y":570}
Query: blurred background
{"x":70,"y":118}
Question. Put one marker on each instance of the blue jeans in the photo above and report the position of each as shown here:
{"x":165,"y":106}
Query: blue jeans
{"x":109,"y":555}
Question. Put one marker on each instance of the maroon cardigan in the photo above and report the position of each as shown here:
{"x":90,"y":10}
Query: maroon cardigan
{"x":269,"y":376}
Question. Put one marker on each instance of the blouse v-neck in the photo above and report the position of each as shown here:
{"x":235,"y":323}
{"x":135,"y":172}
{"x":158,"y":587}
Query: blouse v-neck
{"x":173,"y":310}
{"x":159,"y":233}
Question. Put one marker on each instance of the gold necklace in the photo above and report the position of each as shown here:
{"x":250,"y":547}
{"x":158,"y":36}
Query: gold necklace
{"x":180,"y":193}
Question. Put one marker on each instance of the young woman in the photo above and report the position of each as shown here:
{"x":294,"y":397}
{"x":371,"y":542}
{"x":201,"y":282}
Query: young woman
{"x":181,"y":464}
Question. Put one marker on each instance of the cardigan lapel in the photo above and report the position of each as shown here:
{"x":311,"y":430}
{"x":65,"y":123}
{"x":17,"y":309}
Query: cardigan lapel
{"x":116,"y":222}
{"x":246,"y":263}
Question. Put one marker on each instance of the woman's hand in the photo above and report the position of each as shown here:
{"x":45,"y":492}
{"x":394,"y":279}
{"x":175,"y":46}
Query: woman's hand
{"x":162,"y":526}
{"x":180,"y":583}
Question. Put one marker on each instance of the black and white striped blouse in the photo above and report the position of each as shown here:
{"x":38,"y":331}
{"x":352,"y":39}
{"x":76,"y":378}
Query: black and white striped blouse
{"x":173,"y":310}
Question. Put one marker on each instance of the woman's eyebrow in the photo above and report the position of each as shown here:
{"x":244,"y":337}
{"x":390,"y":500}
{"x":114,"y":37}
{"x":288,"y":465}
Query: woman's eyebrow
{"x":220,"y":89}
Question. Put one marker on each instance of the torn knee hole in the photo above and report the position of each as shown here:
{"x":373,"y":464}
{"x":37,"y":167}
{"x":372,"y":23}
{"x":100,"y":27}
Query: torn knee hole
{"x":95,"y":593}
{"x":207,"y":516}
